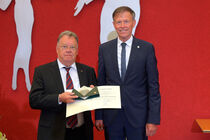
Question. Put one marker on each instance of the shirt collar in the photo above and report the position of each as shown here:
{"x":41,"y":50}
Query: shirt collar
{"x":128,"y":42}
{"x":60,"y":65}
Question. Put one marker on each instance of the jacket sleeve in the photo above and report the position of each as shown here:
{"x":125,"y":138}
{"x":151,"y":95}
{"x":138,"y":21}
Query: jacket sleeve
{"x":101,"y":81}
{"x":42,"y":97}
{"x":154,"y":98}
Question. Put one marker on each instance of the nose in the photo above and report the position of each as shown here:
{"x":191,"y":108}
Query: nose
{"x":69,"y":50}
{"x":122,"y":24}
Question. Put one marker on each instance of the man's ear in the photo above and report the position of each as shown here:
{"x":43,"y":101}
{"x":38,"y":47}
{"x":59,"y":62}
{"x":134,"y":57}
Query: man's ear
{"x":134,"y":23}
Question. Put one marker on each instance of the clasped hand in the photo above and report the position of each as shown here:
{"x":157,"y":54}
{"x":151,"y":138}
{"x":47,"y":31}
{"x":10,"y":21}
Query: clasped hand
{"x":67,"y":97}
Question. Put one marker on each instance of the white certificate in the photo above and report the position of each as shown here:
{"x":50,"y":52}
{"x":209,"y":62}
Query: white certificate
{"x":109,"y":98}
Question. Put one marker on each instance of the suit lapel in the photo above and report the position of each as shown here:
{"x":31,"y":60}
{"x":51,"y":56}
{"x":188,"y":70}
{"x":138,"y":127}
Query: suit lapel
{"x":81,"y":75}
{"x":114,"y":57}
{"x":133,"y":56}
{"x":57,"y":77}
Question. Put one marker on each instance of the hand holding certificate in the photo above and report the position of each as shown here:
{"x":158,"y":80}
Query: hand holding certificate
{"x":109,"y":97}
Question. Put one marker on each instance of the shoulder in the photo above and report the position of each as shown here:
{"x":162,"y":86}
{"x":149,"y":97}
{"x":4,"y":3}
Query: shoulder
{"x":144,"y":45}
{"x":47,"y":65}
{"x":109,"y":44}
{"x":142,"y":42}
{"x":83,"y":66}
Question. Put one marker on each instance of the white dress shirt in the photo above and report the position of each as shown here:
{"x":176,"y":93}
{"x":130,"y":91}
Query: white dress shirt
{"x":75,"y":79}
{"x":128,"y":51}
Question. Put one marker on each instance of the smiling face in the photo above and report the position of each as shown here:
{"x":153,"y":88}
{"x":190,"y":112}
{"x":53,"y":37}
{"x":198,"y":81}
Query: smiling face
{"x":67,"y":50}
{"x":124,"y":24}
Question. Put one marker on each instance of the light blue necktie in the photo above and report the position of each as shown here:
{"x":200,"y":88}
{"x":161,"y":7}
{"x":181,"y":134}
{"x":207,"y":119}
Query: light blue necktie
{"x":123,"y":61}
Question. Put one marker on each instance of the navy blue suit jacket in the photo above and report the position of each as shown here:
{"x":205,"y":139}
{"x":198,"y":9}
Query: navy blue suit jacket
{"x":140,"y":96}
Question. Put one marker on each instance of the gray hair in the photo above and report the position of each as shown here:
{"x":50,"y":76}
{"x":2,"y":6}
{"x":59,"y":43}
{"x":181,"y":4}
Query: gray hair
{"x":123,"y":9}
{"x":69,"y":34}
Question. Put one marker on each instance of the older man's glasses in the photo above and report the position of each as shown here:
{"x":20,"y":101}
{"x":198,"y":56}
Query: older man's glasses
{"x":68,"y":47}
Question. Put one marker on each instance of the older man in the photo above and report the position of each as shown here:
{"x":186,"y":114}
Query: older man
{"x":48,"y":93}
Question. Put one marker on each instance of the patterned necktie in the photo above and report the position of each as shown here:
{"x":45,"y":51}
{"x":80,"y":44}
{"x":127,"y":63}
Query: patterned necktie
{"x":72,"y":120}
{"x":123,"y":61}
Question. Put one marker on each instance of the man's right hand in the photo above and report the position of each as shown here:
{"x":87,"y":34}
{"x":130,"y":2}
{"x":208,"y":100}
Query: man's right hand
{"x":99,"y":125}
{"x":67,"y":97}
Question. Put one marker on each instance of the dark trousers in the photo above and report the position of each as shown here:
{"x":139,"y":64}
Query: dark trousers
{"x":121,"y":129}
{"x":76,"y":133}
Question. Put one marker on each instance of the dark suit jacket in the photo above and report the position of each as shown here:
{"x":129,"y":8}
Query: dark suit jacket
{"x":46,"y":86}
{"x":140,"y":97}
